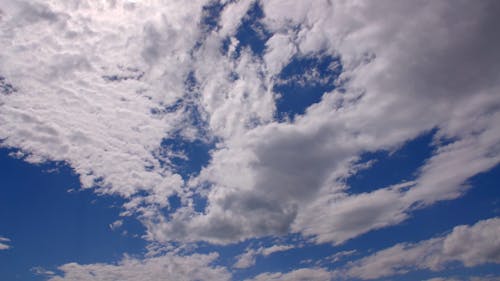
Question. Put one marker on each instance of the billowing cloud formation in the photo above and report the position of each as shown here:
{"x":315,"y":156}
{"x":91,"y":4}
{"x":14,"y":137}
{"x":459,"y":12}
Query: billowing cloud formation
{"x":104,"y":85}
{"x":470,"y":245}
{"x":87,"y":82}
{"x":404,"y":73}
{"x":167,"y":267}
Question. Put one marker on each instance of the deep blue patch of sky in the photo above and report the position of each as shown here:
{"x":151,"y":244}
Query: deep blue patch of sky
{"x":303,"y":82}
{"x":5,"y":87}
{"x":392,"y":168}
{"x":50,"y":226}
{"x":252,"y":33}
{"x":211,"y":15}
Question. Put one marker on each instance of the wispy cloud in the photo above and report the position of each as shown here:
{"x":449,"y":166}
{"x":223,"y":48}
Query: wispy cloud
{"x":4,"y":243}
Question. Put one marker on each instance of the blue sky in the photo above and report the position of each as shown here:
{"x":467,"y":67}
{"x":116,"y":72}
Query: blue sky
{"x":249,"y":140}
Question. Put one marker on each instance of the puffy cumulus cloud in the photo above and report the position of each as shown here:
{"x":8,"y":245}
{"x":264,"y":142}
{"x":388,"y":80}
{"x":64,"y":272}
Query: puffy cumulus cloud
{"x":303,"y":274}
{"x":91,"y":87}
{"x":167,"y":267}
{"x":408,"y":69}
{"x":248,"y":258}
{"x":470,"y":245}
{"x":4,"y":243}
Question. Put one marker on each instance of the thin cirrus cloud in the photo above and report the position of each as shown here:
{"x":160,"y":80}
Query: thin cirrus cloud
{"x":104,"y":85}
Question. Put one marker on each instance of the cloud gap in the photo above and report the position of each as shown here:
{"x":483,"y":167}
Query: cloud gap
{"x":303,"y":82}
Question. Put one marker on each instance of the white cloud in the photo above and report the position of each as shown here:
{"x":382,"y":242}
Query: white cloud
{"x":248,"y":258}
{"x":303,"y":274}
{"x":4,"y":243}
{"x":87,"y":77}
{"x":38,"y":270}
{"x":116,"y":224}
{"x":470,"y":245}
{"x":167,"y":267}
{"x":340,"y":256}
{"x":275,"y":178}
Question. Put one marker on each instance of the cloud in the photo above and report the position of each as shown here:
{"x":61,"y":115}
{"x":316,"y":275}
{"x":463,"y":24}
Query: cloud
{"x":272,"y":178}
{"x":4,"y":243}
{"x":469,"y":245}
{"x":302,"y":274}
{"x":167,"y":267}
{"x":38,"y":270}
{"x":89,"y":101}
{"x":248,"y":258}
{"x":116,"y":224}
{"x":341,"y":255}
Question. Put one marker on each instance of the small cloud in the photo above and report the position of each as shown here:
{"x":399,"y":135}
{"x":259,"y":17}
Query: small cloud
{"x":116,"y":224}
{"x":38,"y":270}
{"x":248,"y":258}
{"x":340,"y":255}
{"x":3,"y":243}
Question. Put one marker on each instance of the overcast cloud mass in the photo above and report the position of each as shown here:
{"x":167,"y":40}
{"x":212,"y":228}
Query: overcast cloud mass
{"x":223,"y":125}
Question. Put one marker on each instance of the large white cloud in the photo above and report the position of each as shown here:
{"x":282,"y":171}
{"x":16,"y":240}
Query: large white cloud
{"x":407,"y":70}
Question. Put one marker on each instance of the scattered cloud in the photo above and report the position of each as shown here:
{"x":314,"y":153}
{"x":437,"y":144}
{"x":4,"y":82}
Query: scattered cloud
{"x":469,"y":245}
{"x":248,"y":258}
{"x":303,"y":274}
{"x":38,"y":270}
{"x":167,"y":267}
{"x":116,"y":224}
{"x":340,"y":256}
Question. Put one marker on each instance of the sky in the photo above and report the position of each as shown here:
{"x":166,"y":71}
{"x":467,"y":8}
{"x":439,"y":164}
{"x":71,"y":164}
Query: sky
{"x":249,"y":140}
